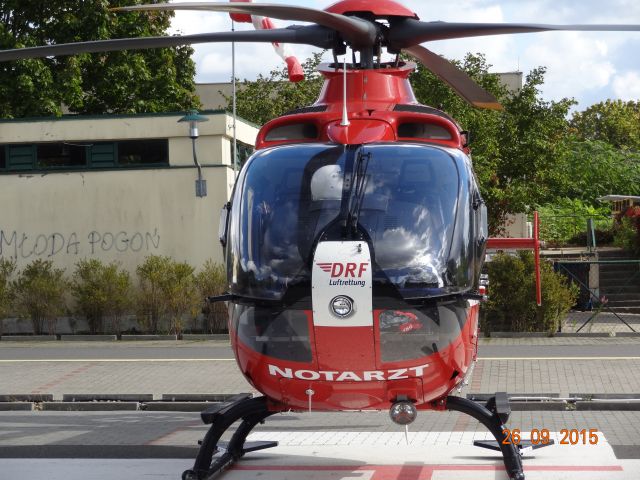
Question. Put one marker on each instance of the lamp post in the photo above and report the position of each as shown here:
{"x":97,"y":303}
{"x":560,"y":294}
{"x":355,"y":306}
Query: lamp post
{"x":193,"y":118}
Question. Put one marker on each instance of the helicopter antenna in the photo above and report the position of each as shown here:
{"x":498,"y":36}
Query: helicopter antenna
{"x":235,"y":105}
{"x":345,"y":114}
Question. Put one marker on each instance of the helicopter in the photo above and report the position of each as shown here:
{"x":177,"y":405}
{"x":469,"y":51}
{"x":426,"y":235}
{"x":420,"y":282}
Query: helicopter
{"x":356,"y":233}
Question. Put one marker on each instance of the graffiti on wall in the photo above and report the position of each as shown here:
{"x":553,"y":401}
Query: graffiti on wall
{"x":17,"y":244}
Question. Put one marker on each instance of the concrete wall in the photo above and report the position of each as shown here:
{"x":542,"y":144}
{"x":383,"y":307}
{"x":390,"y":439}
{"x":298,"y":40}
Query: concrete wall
{"x":122,"y":214}
{"x":516,"y":226}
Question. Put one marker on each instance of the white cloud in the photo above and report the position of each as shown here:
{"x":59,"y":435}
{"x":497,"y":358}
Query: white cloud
{"x":580,"y":65}
{"x":627,"y":86}
{"x":575,"y":64}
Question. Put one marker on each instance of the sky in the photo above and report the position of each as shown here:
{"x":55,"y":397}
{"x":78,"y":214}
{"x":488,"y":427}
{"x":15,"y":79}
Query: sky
{"x":587,"y":66}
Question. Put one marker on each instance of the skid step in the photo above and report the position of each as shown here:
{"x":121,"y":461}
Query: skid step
{"x":524,"y":445}
{"x":249,"y":447}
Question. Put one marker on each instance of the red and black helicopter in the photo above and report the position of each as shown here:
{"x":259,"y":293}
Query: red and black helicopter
{"x":356,"y":233}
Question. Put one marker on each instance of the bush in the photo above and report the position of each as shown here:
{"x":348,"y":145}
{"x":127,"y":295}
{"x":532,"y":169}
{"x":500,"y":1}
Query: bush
{"x":101,"y":291}
{"x":603,"y":237}
{"x":7,"y":268}
{"x":565,"y":222}
{"x":212,"y":281}
{"x":627,"y":231}
{"x":512,"y":299}
{"x":167,"y":289}
{"x":39,"y":294}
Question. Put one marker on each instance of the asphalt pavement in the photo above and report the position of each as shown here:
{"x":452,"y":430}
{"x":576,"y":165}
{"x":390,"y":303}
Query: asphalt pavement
{"x":560,"y":366}
{"x":490,"y":348}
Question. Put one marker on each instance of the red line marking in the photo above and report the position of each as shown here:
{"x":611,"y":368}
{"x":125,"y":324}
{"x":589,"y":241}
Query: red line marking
{"x":452,"y":468}
{"x":161,"y":440}
{"x":63,"y":378}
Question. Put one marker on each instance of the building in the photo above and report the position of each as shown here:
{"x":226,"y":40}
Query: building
{"x":120,"y":187}
{"x":114,"y":187}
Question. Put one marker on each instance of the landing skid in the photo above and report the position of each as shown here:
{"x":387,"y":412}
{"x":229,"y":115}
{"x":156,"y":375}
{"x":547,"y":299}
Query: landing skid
{"x":253,"y":411}
{"x":493,"y":416}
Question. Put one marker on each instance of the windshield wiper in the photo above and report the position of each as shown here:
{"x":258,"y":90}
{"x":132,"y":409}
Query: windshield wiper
{"x":360,"y":181}
{"x":448,"y":297}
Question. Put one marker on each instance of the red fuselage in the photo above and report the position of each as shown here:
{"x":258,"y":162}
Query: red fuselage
{"x":358,"y":365}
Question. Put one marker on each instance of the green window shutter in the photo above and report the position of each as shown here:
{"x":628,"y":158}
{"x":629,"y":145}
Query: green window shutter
{"x":21,"y":157}
{"x":102,"y":155}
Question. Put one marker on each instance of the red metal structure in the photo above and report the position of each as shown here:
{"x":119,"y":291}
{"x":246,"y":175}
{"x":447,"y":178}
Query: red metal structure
{"x":356,"y":233}
{"x":524,"y":244}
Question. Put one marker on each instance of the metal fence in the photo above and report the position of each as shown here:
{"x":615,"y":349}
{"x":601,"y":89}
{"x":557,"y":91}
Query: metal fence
{"x":611,"y":286}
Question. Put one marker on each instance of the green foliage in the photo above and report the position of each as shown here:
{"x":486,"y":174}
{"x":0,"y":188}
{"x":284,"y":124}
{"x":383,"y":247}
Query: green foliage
{"x":627,"y":234}
{"x":271,"y":96}
{"x":512,"y":300}
{"x":525,"y":156}
{"x":167,"y":288}
{"x":7,"y":268}
{"x":515,"y":151}
{"x":603,"y":237}
{"x":101,"y":291}
{"x":40,"y":294}
{"x":212,"y":281}
{"x":592,"y":168}
{"x":613,"y":121}
{"x":117,"y":82}
{"x":567,"y":218}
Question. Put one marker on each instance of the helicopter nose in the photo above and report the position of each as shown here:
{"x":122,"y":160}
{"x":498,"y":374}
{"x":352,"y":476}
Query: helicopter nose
{"x":403,"y":412}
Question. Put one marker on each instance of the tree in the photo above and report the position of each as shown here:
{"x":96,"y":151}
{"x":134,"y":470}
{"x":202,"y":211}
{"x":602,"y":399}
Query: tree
{"x":116,"y":82}
{"x":613,"y":121}
{"x":516,"y":151}
{"x":525,"y":156}
{"x":271,"y":96}
{"x":594,"y":168}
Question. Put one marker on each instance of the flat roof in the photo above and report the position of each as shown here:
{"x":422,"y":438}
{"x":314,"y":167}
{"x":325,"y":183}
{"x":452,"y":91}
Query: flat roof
{"x":617,"y":198}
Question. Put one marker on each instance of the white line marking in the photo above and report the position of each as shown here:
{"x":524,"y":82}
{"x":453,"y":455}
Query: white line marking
{"x":118,"y":360}
{"x":156,"y":360}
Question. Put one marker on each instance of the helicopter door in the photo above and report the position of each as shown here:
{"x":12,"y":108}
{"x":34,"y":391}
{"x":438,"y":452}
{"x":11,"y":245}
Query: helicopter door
{"x":342,"y":283}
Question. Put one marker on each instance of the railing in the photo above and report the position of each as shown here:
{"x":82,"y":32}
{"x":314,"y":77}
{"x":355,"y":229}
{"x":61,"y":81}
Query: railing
{"x":561,"y":229}
{"x":600,"y":302}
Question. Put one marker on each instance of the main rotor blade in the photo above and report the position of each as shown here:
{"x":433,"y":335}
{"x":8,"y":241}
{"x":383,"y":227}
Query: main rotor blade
{"x":310,"y":35}
{"x":462,"y":83}
{"x":358,"y":32}
{"x":413,"y":32}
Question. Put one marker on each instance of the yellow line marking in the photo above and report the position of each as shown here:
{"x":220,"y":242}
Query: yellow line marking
{"x":118,"y":360}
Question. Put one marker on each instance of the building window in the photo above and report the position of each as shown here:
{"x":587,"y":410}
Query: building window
{"x":244,"y":152}
{"x":83,"y":155}
{"x":147,"y":152}
{"x":60,"y":155}
{"x":20,"y":157}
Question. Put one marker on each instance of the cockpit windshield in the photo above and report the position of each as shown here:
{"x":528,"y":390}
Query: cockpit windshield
{"x":290,"y":198}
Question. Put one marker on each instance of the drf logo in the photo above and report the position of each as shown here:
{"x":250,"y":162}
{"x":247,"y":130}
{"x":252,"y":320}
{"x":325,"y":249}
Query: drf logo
{"x":346,"y":270}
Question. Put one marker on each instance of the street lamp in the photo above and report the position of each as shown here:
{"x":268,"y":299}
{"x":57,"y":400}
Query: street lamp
{"x":193,"y":118}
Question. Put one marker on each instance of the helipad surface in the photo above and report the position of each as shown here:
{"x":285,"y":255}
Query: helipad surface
{"x":354,"y":455}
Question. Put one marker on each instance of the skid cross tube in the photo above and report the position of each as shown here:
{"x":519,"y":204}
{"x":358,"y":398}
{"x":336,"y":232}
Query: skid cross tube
{"x":493,"y":416}
{"x":251,"y":411}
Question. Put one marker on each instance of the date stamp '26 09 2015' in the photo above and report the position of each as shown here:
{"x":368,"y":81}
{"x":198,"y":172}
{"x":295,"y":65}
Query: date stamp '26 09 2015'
{"x":542,"y":436}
